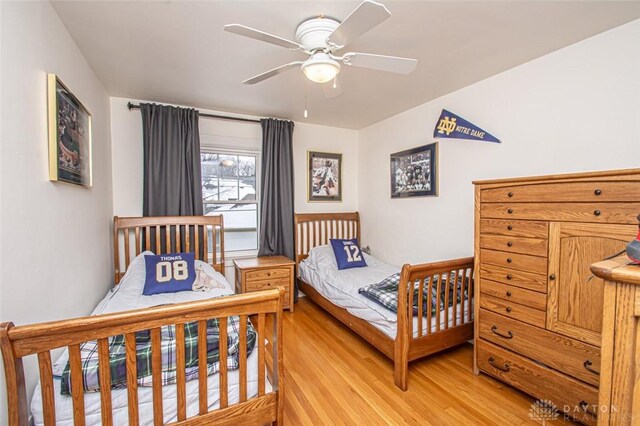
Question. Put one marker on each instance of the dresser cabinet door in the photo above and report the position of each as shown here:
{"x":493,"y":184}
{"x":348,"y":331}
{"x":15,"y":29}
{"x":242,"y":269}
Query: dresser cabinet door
{"x":575,"y":296}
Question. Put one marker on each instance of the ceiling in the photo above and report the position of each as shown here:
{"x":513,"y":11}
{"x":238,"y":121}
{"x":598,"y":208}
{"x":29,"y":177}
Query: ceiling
{"x":176,"y":51}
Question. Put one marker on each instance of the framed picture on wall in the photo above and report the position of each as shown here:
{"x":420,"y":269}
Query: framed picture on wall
{"x":325,"y":176}
{"x":414,"y":172}
{"x":69,"y":136}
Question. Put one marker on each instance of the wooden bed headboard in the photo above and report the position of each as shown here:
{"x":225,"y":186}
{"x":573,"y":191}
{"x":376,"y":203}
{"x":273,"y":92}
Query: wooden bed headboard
{"x":315,"y":229}
{"x":133,"y":235}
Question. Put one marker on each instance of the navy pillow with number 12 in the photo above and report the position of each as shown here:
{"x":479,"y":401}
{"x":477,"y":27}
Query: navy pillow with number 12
{"x":348,"y":254}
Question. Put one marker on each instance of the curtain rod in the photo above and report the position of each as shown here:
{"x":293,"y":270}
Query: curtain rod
{"x":221,"y":117}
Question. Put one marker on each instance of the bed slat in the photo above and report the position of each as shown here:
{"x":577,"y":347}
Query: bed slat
{"x":202,"y":367}
{"x":447,"y":288}
{"x":243,"y":358}
{"x":132,"y":376}
{"x":224,"y":392}
{"x":46,"y":388}
{"x":127,"y":251}
{"x":438,"y":301}
{"x":410,"y":309}
{"x":77,"y":390}
{"x":156,"y":375}
{"x":179,"y":240}
{"x":420,"y":305}
{"x":104,"y":374}
{"x":158,"y":242}
{"x":205,"y":243}
{"x":137,"y":240}
{"x":196,"y":241}
{"x":181,"y":380}
{"x":455,"y":295}
{"x":187,"y":233}
{"x":429,"y":311}
{"x":260,"y":338}
{"x":147,"y":236}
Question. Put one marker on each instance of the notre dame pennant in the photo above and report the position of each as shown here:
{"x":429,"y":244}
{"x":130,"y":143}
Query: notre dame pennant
{"x":455,"y":127}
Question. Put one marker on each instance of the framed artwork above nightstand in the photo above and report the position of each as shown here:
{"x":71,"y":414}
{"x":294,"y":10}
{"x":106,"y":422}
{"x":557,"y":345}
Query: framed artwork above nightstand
{"x":266,"y":272}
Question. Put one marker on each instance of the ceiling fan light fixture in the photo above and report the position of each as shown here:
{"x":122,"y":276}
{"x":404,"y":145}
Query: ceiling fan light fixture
{"x":320,"y":68}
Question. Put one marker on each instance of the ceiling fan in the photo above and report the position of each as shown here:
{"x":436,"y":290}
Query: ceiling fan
{"x":321,"y":37}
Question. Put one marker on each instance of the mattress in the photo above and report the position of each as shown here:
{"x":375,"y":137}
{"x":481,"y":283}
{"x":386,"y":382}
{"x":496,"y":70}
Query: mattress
{"x":340,"y":287}
{"x":126,"y":296}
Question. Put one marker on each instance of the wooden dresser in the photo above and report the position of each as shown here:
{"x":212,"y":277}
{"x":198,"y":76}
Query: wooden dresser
{"x":539,"y":310}
{"x":620,"y":378}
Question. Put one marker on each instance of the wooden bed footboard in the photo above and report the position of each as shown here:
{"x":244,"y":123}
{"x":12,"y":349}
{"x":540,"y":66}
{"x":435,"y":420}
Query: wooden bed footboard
{"x":18,"y":342}
{"x":449,"y":286}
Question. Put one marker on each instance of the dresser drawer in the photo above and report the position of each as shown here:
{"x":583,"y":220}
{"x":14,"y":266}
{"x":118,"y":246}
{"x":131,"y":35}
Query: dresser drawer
{"x":575,"y":398}
{"x":622,"y":213}
{"x":559,"y":352}
{"x":527,"y":280}
{"x":520,"y":262}
{"x":513,"y":310}
{"x":514,"y":294}
{"x":565,"y":192}
{"x":515,"y":228}
{"x":532,"y":246}
{"x":264,"y":274}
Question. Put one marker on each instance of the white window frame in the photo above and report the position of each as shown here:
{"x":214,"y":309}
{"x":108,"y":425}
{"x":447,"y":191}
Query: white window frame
{"x":239,"y":254}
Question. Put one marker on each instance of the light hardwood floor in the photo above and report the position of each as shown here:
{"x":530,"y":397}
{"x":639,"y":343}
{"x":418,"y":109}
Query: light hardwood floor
{"x":335,"y":378}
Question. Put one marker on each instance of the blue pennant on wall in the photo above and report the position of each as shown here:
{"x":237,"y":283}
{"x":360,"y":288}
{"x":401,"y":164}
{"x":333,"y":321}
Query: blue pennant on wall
{"x":455,"y":127}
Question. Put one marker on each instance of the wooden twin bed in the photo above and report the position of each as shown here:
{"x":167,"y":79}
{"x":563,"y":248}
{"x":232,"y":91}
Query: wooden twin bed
{"x":313,"y":230}
{"x":204,"y":236}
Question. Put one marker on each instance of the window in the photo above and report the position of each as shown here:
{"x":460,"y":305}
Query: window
{"x":229,"y":188}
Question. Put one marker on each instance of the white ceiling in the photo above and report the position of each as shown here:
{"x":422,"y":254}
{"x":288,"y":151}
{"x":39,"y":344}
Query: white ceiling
{"x":176,"y":51}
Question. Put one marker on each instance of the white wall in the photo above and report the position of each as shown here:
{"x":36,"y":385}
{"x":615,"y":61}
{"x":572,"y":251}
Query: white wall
{"x":126,"y":131}
{"x":55,"y":248}
{"x":577,"y":109}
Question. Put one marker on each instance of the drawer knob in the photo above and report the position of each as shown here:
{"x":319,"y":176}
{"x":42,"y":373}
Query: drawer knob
{"x":587,"y":366}
{"x":510,"y":194}
{"x":509,"y":260}
{"x":584,"y":406}
{"x":508,"y":309}
{"x":509,"y":211}
{"x":597,"y":192}
{"x":504,"y":368}
{"x":509,"y":227}
{"x":509,"y":276}
{"x":494,"y":330}
{"x":508,"y":294}
{"x":597,"y":212}
{"x":552,"y":277}
{"x":509,"y":244}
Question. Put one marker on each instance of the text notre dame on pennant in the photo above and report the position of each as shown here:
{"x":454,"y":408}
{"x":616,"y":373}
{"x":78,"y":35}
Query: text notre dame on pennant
{"x":453,"y":126}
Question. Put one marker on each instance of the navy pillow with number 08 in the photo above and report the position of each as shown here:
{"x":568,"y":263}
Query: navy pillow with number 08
{"x":169,"y":273}
{"x":347,"y":253}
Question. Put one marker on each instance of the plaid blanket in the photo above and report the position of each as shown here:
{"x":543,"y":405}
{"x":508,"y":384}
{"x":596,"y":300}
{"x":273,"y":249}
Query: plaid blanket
{"x":385,"y":293}
{"x":117,"y":355}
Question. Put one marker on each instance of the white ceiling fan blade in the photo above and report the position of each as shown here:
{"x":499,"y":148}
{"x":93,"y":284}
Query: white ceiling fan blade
{"x":332,"y":88}
{"x":380,"y":62}
{"x":261,"y":35}
{"x":265,"y":75}
{"x":362,"y":19}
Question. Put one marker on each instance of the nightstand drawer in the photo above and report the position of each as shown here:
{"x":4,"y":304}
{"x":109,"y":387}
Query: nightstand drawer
{"x":268,"y":274}
{"x":267,"y":284}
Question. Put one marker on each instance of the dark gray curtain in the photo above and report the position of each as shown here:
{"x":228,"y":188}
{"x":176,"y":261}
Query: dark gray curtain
{"x":172,"y":177}
{"x":276,"y":195}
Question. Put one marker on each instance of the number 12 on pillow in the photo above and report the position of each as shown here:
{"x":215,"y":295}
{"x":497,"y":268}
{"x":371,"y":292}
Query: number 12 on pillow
{"x":347,"y":253}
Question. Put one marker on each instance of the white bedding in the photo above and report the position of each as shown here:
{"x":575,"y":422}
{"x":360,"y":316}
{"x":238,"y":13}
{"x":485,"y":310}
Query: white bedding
{"x":340,"y":287}
{"x":125,"y":296}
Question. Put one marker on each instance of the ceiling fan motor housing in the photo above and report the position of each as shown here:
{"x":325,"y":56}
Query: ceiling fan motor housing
{"x":313,"y":33}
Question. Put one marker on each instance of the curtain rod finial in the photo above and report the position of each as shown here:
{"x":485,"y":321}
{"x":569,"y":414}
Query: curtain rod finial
{"x":129,"y":105}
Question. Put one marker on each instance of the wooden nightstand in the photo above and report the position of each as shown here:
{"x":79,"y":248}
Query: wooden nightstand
{"x":262,"y":273}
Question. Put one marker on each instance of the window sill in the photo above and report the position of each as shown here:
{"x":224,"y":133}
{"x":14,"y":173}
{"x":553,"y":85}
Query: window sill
{"x":241,"y":254}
